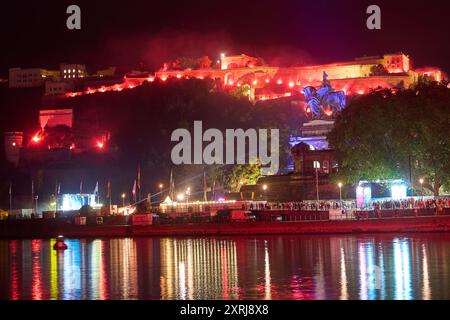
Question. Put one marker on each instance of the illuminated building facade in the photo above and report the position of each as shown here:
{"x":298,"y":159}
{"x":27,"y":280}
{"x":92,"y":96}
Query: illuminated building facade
{"x":72,"y":71}
{"x":27,"y":78}
{"x":61,"y":136}
{"x":57,"y":88}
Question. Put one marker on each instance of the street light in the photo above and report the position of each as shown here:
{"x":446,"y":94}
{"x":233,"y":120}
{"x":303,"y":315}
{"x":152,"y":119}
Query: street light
{"x":316,"y":165}
{"x":188,"y":193}
{"x":160,"y":186}
{"x":264,"y":187}
{"x":180,"y":197}
{"x":421,"y":186}
{"x":123,"y":199}
{"x":340,"y":194}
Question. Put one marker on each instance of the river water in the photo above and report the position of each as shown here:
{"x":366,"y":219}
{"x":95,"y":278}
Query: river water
{"x":414,"y":266}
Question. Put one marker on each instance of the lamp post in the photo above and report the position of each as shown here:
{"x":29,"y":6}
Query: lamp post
{"x":123,"y":199}
{"x":340,"y":195}
{"x":36,"y":203}
{"x":264,"y":189}
{"x":421,"y":187}
{"x":317,"y":167}
{"x":160,"y":186}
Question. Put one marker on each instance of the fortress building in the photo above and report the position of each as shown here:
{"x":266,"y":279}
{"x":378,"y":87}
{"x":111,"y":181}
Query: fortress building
{"x":271,"y":82}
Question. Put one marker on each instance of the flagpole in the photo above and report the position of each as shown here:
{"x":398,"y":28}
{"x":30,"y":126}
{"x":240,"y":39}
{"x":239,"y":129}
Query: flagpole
{"x":32,"y":195}
{"x":56,"y":196}
{"x":109,"y":194}
{"x":81,"y":191}
{"x":139,"y":181}
{"x":204,"y":187}
{"x":10,"y":198}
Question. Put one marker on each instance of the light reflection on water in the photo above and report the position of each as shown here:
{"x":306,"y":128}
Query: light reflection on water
{"x":285,"y":267}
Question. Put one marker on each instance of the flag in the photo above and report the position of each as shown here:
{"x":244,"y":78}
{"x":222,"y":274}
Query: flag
{"x":10,"y":197}
{"x":213,"y":190}
{"x":204,"y":187}
{"x":109,"y":188}
{"x":139,"y":177}
{"x":171,"y":185}
{"x":139,"y":181}
{"x":59,"y":188}
{"x":81,"y":186}
{"x":96,"y":189}
{"x":134,"y":190}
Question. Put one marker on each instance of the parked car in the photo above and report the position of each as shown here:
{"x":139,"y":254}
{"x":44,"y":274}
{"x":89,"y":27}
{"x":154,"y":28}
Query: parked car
{"x":277,"y":217}
{"x":232,"y":215}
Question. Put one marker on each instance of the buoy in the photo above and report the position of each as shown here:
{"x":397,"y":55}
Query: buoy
{"x":60,"y":245}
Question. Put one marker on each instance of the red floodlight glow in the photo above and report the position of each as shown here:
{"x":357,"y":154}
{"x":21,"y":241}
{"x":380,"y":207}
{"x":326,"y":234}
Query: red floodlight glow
{"x":100,"y":145}
{"x":13,"y":144}
{"x":280,"y":81}
{"x":291,"y":84}
{"x":36,"y":139}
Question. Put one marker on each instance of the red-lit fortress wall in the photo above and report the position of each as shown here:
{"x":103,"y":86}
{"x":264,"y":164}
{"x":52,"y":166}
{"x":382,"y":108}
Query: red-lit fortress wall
{"x":269,"y":82}
{"x":354,"y":77}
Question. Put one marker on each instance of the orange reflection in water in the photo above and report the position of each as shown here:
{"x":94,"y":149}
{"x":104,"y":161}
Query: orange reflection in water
{"x":290,"y":267}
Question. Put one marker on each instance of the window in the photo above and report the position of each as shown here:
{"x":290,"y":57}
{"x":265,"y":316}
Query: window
{"x":326,"y":166}
{"x":335,"y":166}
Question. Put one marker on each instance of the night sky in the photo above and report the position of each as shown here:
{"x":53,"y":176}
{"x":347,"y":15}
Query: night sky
{"x":143,"y":34}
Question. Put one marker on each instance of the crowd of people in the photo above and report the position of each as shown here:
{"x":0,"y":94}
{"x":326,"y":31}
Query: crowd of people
{"x":300,"y":205}
{"x":412,"y":203}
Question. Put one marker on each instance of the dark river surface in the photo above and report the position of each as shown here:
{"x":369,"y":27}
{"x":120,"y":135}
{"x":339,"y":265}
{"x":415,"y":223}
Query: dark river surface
{"x":413,"y":266}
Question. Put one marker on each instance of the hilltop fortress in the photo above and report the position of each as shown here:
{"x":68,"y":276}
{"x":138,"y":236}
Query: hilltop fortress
{"x":271,"y":82}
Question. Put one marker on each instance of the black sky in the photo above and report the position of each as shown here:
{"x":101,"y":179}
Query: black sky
{"x":130,"y":34}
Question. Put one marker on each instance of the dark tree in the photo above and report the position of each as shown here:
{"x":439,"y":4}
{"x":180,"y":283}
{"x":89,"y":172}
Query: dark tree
{"x":378,"y":135}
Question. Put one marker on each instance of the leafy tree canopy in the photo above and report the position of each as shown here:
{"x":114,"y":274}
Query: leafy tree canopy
{"x":378,"y":134}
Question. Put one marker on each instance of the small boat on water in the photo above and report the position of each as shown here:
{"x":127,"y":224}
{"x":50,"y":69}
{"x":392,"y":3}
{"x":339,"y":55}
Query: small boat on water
{"x":60,"y":244}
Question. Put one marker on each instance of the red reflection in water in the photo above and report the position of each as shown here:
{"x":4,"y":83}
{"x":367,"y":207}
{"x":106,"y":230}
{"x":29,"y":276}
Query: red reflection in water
{"x":14,"y":291}
{"x":103,"y":290}
{"x":302,"y":288}
{"x":224,"y":274}
{"x":36,"y":289}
